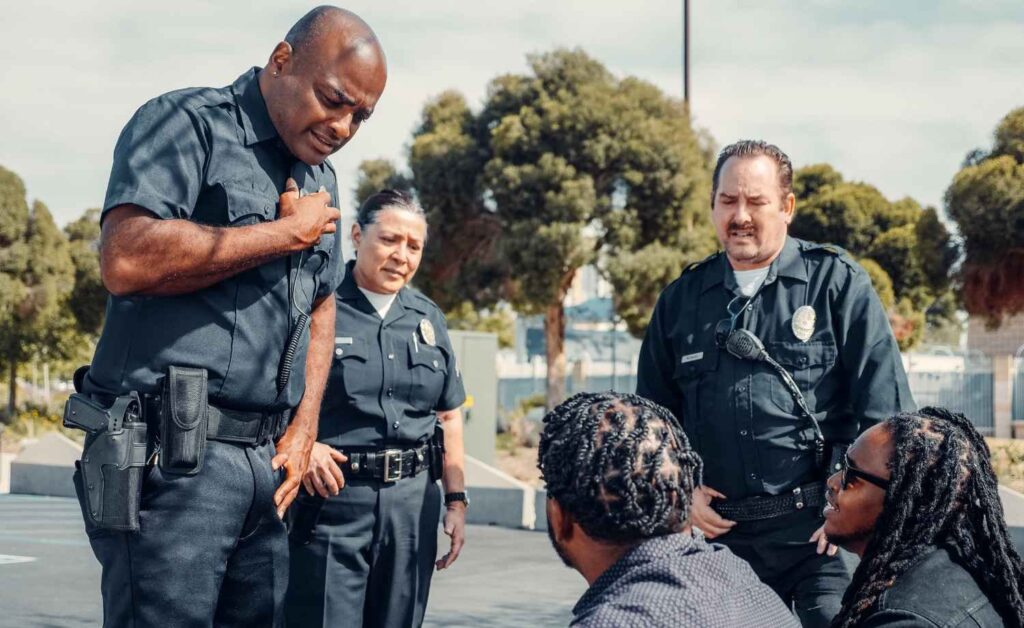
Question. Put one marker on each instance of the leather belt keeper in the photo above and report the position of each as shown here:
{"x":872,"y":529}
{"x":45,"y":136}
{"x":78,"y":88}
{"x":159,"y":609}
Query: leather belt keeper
{"x":771,"y":506}
{"x":229,"y":426}
{"x":387,"y":465}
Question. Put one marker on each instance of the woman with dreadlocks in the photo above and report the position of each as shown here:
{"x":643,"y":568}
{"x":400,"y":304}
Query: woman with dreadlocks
{"x":918,"y":501}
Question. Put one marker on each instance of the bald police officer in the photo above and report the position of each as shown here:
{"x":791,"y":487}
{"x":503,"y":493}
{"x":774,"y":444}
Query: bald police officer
{"x":220,"y":253}
{"x":776,"y":354}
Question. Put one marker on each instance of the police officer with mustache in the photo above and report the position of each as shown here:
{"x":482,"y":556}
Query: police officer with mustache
{"x":775,"y":353}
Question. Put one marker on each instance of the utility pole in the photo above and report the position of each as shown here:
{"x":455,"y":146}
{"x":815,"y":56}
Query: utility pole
{"x":686,"y":51}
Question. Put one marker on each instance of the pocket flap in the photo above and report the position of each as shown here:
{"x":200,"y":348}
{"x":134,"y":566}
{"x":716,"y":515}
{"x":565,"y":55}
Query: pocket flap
{"x":430,"y":357}
{"x":801,"y":355}
{"x":695,"y":361}
{"x":346,"y":347}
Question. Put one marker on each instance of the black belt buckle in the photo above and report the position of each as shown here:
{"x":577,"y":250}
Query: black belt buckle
{"x":392,"y":465}
{"x":798,"y":497}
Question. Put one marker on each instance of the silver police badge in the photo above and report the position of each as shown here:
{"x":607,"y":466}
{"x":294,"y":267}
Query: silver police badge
{"x":427,"y":332}
{"x":803,"y":322}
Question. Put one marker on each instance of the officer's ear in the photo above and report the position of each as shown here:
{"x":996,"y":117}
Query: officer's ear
{"x":280,"y":58}
{"x":357,"y":235}
{"x":789,"y":206}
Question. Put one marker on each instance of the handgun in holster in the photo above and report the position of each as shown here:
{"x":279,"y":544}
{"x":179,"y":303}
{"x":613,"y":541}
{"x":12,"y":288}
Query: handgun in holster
{"x":437,"y":453}
{"x":108,"y":478}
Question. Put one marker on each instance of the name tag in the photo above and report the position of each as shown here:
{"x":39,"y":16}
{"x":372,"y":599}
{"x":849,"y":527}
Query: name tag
{"x":342,"y":340}
{"x":693,"y":357}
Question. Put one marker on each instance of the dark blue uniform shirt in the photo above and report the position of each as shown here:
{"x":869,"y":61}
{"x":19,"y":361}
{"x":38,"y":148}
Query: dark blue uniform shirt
{"x":680,"y":580}
{"x":387,"y":381}
{"x":213,"y":156}
{"x":737,"y":413}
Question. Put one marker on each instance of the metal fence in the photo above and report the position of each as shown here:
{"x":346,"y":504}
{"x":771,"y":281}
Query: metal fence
{"x":962,"y":382}
{"x":1018,"y":389}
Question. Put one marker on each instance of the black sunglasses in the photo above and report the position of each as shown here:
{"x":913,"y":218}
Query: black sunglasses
{"x":849,"y":471}
{"x":727,"y":325}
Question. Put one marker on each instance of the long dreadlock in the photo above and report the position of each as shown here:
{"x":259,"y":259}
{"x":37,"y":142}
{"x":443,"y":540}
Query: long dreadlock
{"x":943,"y":492}
{"x":620,"y":464}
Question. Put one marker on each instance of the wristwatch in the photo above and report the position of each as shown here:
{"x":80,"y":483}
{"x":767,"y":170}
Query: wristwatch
{"x":456,"y":497}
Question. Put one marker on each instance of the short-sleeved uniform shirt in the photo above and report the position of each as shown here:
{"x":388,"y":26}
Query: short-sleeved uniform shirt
{"x":388,"y":380}
{"x":213,"y":156}
{"x":738,"y":414}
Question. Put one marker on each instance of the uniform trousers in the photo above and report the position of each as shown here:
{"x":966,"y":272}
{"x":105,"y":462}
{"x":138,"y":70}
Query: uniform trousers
{"x":812,"y":585}
{"x":211,"y":550}
{"x":370,"y":558}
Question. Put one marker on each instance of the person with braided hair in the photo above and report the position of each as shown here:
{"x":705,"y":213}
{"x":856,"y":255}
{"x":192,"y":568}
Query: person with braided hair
{"x":918,"y":501}
{"x":620,"y":478}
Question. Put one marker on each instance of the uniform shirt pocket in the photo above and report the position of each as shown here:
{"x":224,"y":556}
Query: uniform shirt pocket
{"x":693,"y":375}
{"x":428,"y":369}
{"x":246,"y":205}
{"x":350,"y":376}
{"x":807,"y":362}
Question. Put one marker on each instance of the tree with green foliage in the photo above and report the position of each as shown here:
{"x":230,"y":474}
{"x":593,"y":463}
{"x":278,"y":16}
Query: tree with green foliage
{"x":906,"y":250}
{"x":50,"y":291}
{"x":88,"y":296}
{"x":986,"y":199}
{"x":565,"y":166}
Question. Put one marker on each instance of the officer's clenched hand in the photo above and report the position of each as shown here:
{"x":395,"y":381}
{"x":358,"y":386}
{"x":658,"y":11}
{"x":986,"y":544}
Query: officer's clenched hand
{"x":822,"y":540}
{"x":323,"y":476}
{"x":309,"y":217}
{"x":704,"y":517}
{"x":454,"y":527}
{"x":293,"y":454}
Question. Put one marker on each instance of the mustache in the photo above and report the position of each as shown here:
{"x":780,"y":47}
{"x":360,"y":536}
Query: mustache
{"x":735,"y":226}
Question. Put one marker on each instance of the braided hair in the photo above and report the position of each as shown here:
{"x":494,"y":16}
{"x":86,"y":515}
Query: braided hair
{"x":943,"y":492}
{"x":620,"y":464}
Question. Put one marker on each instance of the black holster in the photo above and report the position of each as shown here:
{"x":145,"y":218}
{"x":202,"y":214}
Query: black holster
{"x":108,"y":478}
{"x":184,"y":418}
{"x":437,"y":453}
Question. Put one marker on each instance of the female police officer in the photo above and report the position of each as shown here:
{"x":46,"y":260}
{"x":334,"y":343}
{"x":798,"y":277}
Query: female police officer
{"x":363,"y":556}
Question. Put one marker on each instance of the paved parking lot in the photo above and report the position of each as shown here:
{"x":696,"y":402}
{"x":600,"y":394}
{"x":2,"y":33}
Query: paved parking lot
{"x":504,"y":578}
{"x":49,"y":577}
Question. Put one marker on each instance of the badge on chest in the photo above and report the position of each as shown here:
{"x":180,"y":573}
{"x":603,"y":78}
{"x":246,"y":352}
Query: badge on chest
{"x":427,"y":333}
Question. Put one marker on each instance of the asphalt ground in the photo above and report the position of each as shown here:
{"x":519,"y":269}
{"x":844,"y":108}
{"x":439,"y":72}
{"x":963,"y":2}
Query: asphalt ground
{"x":50,"y":578}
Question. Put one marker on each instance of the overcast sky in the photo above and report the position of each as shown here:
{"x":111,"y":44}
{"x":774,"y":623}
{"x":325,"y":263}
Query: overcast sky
{"x":892,"y":93}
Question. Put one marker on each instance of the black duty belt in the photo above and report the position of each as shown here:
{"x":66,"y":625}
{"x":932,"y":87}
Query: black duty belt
{"x":387,"y":465}
{"x":225,"y":425}
{"x":770,"y":506}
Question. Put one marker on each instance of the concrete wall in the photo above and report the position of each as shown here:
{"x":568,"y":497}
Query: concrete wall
{"x":42,"y":479}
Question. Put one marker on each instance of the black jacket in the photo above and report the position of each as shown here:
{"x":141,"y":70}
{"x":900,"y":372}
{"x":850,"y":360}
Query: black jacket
{"x":934,"y":592}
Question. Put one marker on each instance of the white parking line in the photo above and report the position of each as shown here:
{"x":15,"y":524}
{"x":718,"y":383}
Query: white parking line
{"x":7,"y":559}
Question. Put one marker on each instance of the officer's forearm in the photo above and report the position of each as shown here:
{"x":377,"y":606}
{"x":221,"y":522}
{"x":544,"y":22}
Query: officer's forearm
{"x":318,"y":364}
{"x":454,"y":476}
{"x":144,"y":255}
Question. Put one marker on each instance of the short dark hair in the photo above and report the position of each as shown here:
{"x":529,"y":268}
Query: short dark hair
{"x":387,"y":199}
{"x":313,"y":24}
{"x":942,"y":492}
{"x":755,"y":148}
{"x":620,"y":465}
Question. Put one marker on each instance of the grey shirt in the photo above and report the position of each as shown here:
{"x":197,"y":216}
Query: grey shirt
{"x":213,"y":156}
{"x":680,"y":580}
